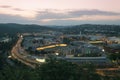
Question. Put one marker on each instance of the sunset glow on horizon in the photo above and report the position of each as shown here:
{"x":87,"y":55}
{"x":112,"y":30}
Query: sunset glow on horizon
{"x":57,"y":12}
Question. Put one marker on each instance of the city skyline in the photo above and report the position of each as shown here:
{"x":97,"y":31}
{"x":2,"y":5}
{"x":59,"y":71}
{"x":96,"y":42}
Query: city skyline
{"x":60,"y":12}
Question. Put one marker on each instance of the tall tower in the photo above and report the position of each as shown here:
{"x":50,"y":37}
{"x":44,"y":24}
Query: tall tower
{"x":80,"y":33}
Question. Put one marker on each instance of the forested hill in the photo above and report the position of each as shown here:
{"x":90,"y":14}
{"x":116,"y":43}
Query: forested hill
{"x":93,"y":28}
{"x":14,"y":28}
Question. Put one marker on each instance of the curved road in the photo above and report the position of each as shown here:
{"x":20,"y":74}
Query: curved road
{"x":18,"y":53}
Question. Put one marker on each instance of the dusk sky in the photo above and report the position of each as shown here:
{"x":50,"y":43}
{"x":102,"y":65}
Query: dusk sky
{"x":60,"y":12}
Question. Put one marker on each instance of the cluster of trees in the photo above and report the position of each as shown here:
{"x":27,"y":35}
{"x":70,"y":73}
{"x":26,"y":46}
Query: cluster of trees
{"x":52,"y":70}
{"x":115,"y":57}
{"x":66,"y":40}
{"x":5,"y":48}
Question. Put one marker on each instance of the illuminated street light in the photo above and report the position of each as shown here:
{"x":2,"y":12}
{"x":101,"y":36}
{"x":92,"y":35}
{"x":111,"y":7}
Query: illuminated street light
{"x":103,"y":50}
{"x":57,"y":54}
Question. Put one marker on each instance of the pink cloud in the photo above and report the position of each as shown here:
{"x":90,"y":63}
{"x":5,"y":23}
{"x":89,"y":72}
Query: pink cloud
{"x":5,"y":6}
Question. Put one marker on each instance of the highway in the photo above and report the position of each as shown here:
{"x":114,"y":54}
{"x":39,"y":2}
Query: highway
{"x":21,"y":55}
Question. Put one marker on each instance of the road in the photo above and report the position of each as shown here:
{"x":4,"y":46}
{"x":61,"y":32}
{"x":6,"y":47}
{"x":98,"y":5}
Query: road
{"x":21,"y":55}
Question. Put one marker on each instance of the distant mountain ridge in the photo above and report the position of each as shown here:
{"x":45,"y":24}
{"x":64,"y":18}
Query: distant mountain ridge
{"x":14,"y":28}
